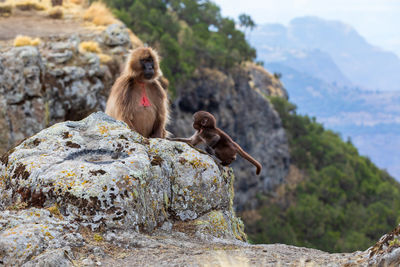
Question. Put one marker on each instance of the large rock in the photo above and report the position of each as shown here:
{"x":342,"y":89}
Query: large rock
{"x":97,"y":173}
{"x":264,"y":82}
{"x":244,"y":112}
{"x":386,"y":252}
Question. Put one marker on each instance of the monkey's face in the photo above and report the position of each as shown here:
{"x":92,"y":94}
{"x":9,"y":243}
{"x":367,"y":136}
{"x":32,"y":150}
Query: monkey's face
{"x":148,"y":67}
{"x":203,"y":119}
{"x":196,"y":126}
{"x":200,"y":122}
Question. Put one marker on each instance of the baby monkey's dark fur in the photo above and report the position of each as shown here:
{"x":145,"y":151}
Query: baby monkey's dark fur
{"x":217,"y":141}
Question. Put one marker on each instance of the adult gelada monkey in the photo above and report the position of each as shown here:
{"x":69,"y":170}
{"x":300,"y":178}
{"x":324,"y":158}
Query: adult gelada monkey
{"x":217,"y":141}
{"x":137,"y":97}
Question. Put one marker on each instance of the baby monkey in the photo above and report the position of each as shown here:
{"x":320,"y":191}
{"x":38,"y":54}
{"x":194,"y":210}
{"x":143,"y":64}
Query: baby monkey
{"x":217,"y":142}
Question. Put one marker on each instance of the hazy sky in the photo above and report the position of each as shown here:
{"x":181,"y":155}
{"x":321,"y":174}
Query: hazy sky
{"x":376,"y":20}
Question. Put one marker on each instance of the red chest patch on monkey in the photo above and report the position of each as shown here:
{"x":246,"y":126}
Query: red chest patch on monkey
{"x":144,"y":101}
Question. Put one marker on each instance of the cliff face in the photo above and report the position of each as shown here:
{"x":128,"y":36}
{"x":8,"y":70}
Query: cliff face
{"x":237,"y":99}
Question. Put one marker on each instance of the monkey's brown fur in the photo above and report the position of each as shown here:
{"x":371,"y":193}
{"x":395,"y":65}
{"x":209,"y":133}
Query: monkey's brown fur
{"x":223,"y":147}
{"x":124,"y":102}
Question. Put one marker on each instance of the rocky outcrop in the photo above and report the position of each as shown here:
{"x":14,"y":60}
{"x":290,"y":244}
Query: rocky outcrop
{"x":100,"y":175}
{"x":57,"y":81}
{"x":386,"y":252}
{"x":264,"y":82}
{"x":242,"y":110}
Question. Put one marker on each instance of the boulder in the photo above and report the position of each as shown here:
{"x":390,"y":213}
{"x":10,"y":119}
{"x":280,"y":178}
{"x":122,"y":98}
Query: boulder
{"x":116,"y":34}
{"x":98,"y":174}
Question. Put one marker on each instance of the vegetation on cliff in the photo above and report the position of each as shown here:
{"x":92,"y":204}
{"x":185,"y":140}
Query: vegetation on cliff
{"x":342,"y":203}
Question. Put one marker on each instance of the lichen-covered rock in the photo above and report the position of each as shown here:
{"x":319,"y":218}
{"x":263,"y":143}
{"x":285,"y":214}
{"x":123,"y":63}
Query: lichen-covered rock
{"x":386,"y":252}
{"x":116,"y":34}
{"x":54,"y":82}
{"x":101,"y":174}
{"x":52,"y":258}
{"x":97,"y":174}
{"x":27,"y":233}
{"x":22,"y":110}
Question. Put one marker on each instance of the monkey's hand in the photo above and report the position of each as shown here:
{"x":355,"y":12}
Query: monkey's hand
{"x":186,"y":140}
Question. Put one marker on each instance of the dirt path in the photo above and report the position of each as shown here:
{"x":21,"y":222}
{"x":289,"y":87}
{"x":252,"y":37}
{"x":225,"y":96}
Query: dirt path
{"x":260,"y":255}
{"x":185,"y":250}
{"x":38,"y":25}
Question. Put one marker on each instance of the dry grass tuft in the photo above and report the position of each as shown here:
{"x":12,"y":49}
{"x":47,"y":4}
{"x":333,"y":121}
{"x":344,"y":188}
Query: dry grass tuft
{"x":5,"y":10}
{"x":22,"y":40}
{"x":104,"y":58}
{"x":36,"y":41}
{"x":29,"y":5}
{"x":76,"y":2}
{"x":89,"y":46}
{"x":56,"y":13}
{"x":99,"y":14}
{"x":136,"y":42}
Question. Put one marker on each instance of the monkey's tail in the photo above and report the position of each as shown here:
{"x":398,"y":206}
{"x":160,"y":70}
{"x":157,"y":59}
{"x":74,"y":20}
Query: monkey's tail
{"x":249,"y":158}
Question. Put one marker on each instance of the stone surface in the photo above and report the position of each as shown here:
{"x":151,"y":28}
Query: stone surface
{"x":248,"y":117}
{"x":115,"y":35}
{"x":99,"y":175}
{"x":386,"y":252}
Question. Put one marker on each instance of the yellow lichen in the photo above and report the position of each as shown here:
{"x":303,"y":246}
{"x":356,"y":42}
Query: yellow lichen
{"x":215,"y":224}
{"x":21,"y":40}
{"x":89,"y":46}
{"x":198,"y":163}
{"x":55,"y":211}
{"x":395,"y":242}
{"x":238,"y":229}
{"x":47,"y":234}
{"x":98,"y":237}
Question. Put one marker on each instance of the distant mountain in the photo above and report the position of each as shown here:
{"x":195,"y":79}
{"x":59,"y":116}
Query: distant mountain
{"x":336,"y":47}
{"x":370,"y":119}
{"x":326,"y":67}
